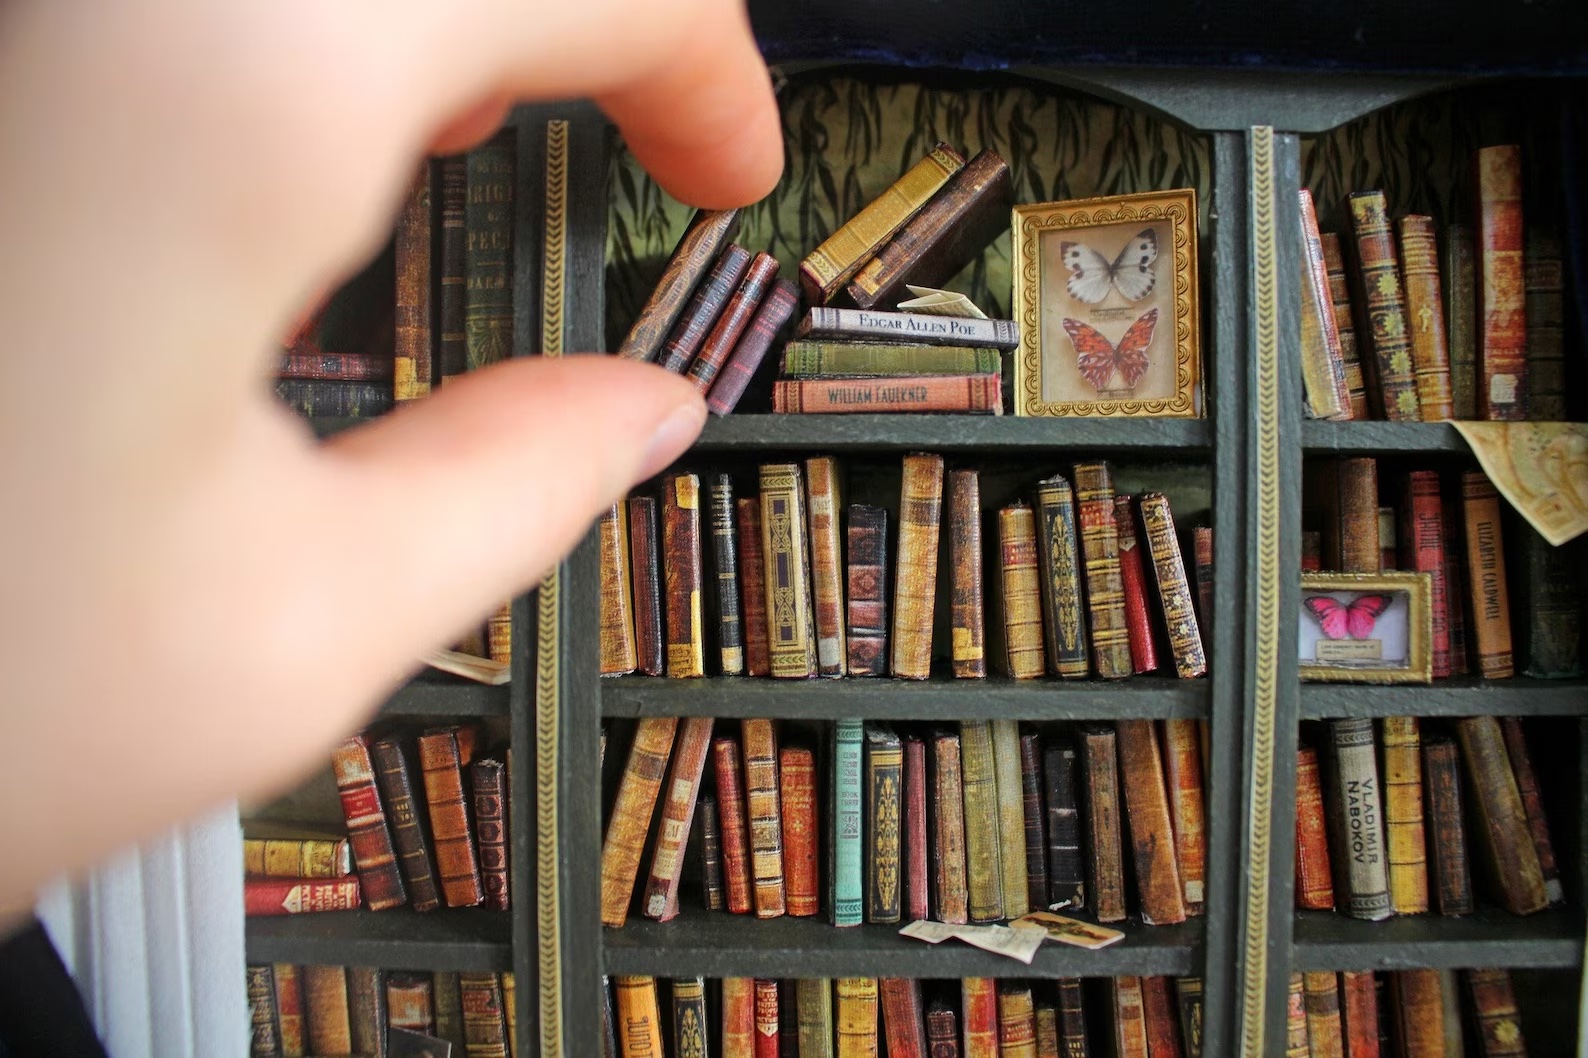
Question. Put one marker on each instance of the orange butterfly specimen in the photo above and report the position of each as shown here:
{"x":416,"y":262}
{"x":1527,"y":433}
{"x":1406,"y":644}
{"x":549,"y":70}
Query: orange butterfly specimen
{"x":1098,"y":358}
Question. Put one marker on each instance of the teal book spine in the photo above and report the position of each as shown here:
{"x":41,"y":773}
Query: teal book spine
{"x":848,"y":893}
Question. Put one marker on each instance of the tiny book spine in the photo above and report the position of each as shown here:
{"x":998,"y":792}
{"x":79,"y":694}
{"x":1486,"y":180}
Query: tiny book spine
{"x":915,"y":589}
{"x":298,"y":896}
{"x":681,"y":576}
{"x":847,"y":897}
{"x":708,"y":234}
{"x":765,"y":815}
{"x":823,"y":504}
{"x":1186,"y":637}
{"x":1384,"y":306}
{"x":711,"y":855}
{"x":983,"y":859}
{"x":1322,"y":364}
{"x":884,"y":831}
{"x":619,"y":655}
{"x":689,"y":1017}
{"x":1403,"y":815}
{"x":790,"y":630}
{"x":1058,"y":559}
{"x":1296,"y":1019}
{"x":813,"y":999}
{"x":1188,"y":997}
{"x":1356,"y":816}
{"x":484,"y":1023}
{"x":971,"y":394}
{"x":968,"y":633}
{"x":1011,"y":816}
{"x":457,"y":862}
{"x":705,"y":305}
{"x":903,"y":1019}
{"x":1543,"y":281}
{"x":913,"y":833}
{"x":1491,"y":607}
{"x":639,"y":1017}
{"x":326,"y":1001}
{"x":299,"y":857}
{"x":489,"y":218}
{"x":1423,"y":530}
{"x":1501,"y":286}
{"x":867,"y":635}
{"x":1345,"y":324}
{"x":1420,"y":1013}
{"x":735,"y":319}
{"x":1359,"y":1013}
{"x":1498,"y":1021}
{"x":367,"y":830}
{"x":1066,"y":873}
{"x":869,"y":325}
{"x":777,"y":308}
{"x":1182,"y":767}
{"x":738,"y":1017}
{"x":1461,"y":315}
{"x":1447,"y":835}
{"x":264,"y":1025}
{"x":725,"y":566}
{"x":452,"y":284}
{"x":1047,"y":1019}
{"x":1521,"y":759}
{"x":410,"y":1002}
{"x":1021,"y":593}
{"x":1133,"y":579}
{"x":1322,"y":1000}
{"x":290,"y":1009}
{"x":413,"y":363}
{"x":827,"y":268}
{"x":366,"y":1007}
{"x":1202,"y":560}
{"x":827,"y":358}
{"x":647,"y":595}
{"x":1314,"y":882}
{"x":1163,"y":1026}
{"x":448,"y":1002}
{"x":1554,"y":606}
{"x":334,"y":367}
{"x":1151,"y":834}
{"x":1457,"y":591}
{"x":1017,"y":1021}
{"x":948,"y":831}
{"x":632,"y":809}
{"x":733,"y":819}
{"x":692,"y":743}
{"x":1357,"y":482}
{"x":979,"y":1003}
{"x":797,"y":786}
{"x":1106,"y":863}
{"x":1130,"y":1019}
{"x":1072,"y":1018}
{"x":960,"y":220}
{"x":489,"y":785}
{"x":857,"y":1016}
{"x":942,"y":1030}
{"x":1035,"y":822}
{"x":752,"y":584}
{"x":1425,"y":315}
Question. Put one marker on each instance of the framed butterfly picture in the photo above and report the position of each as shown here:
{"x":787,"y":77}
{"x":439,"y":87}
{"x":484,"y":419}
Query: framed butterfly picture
{"x":1365,"y":627}
{"x":1105,"y":292}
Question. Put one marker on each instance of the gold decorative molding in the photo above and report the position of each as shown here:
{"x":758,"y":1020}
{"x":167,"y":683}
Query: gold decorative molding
{"x":548,"y":683}
{"x":1264,"y":375}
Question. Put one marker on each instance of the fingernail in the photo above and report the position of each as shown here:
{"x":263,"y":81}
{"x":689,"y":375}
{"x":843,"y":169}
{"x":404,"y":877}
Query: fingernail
{"x":672,"y":436}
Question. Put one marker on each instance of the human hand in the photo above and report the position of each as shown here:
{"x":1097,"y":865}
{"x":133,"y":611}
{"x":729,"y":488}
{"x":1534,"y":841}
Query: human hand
{"x":198,"y":597}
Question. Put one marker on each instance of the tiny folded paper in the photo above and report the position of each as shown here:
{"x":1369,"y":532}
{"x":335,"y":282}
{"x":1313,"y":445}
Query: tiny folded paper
{"x":481,"y":670}
{"x":930,"y":301}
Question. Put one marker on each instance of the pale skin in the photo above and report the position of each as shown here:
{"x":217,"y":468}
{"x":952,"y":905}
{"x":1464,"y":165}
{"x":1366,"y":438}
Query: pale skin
{"x":199,"y":599}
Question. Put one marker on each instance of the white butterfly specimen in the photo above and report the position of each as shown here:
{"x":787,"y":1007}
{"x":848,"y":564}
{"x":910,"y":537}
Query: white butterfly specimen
{"x":1131,"y":273}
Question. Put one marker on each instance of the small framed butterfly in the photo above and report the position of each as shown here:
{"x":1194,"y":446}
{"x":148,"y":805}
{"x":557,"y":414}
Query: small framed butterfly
{"x":1131,"y":273}
{"x":1365,"y":627}
{"x":1100,"y":359}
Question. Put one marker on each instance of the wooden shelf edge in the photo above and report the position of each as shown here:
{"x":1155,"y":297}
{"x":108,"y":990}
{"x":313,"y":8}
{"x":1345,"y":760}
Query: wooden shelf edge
{"x":1373,"y":437}
{"x":1549,"y":940}
{"x":462,"y":939}
{"x":952,"y":433}
{"x":1462,"y":696}
{"x":883,"y":699}
{"x":438,"y":694}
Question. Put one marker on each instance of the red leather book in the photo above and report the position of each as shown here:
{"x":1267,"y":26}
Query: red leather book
{"x":1533,"y":802}
{"x":1501,"y":286}
{"x":1447,"y":835}
{"x":1105,"y":593}
{"x":942,"y":1030}
{"x":969,"y":394}
{"x":373,"y":853}
{"x":682,"y":576}
{"x":1494,"y":1010}
{"x":488,"y":780}
{"x":452,"y":350}
{"x":1359,"y":1014}
{"x":797,"y":785}
{"x":1425,"y":316}
{"x":1314,"y":880}
{"x":733,"y":322}
{"x":967,"y":643}
{"x":1357,"y":484}
{"x":733,"y":820}
{"x":688,"y":763}
{"x":410,"y":1002}
{"x":1036,"y":821}
{"x":1383,"y":306}
{"x":1423,"y":536}
{"x":1133,"y":577}
{"x":1163,"y":1025}
{"x":868,"y":591}
{"x":457,"y":861}
{"x":711,"y":855}
{"x":752,"y":584}
{"x":1151,"y":835}
{"x":334,"y":367}
{"x":1182,"y":769}
{"x":947,"y":816}
{"x":1017,"y":1020}
{"x":1202,"y":557}
{"x":766,"y":1018}
{"x":903,"y":1017}
{"x":630,"y":818}
{"x":708,"y":233}
{"x":916,"y":901}
{"x":705,"y":305}
{"x":414,"y":361}
{"x":647,"y":593}
{"x":738,"y":1017}
{"x":979,"y":1003}
{"x":777,"y":308}
{"x":326,"y":1000}
{"x":394,"y":777}
{"x":764,"y":816}
{"x":823,"y":507}
{"x":1106,"y":861}
{"x":297,"y":896}
{"x":1420,"y":1013}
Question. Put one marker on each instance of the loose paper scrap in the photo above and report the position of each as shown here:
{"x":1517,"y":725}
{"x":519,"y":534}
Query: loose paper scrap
{"x":1541,"y":468}
{"x":1067,"y":930}
{"x":481,"y":670}
{"x":929,"y":301}
{"x":1018,"y":944}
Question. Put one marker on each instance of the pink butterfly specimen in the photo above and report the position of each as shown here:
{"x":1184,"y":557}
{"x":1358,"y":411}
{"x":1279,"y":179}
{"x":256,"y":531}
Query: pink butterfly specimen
{"x":1355,"y":618}
{"x":1098,"y":358}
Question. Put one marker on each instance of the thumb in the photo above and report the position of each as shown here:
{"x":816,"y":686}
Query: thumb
{"x":468,"y":496}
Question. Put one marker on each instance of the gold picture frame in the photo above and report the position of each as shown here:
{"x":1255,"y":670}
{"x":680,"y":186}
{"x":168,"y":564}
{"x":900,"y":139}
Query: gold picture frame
{"x":1377,"y":627}
{"x":1105,"y":292}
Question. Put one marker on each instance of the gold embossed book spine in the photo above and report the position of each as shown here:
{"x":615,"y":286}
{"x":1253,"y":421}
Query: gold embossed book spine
{"x":867,"y":582}
{"x":619,"y":655}
{"x":1383,"y":306}
{"x":630,"y":819}
{"x":915,"y":585}
{"x":725,"y":575}
{"x":1058,"y":559}
{"x":1174,"y":591}
{"x":1021,"y":593}
{"x":1403,"y":815}
{"x":884,"y":825}
{"x":1425,"y":316}
{"x":1105,"y":591}
{"x":822,"y":492}
{"x":1151,"y":833}
{"x":681,"y":576}
{"x":791,"y":635}
{"x":765,"y":812}
{"x":967,"y":633}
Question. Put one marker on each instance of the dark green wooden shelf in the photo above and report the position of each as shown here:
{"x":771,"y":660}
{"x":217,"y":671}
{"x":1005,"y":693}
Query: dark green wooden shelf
{"x":438,"y":694}
{"x":881,"y":699}
{"x":713,"y":944}
{"x":1373,"y":438}
{"x":452,"y":939}
{"x":1492,"y":937}
{"x":953,"y":433}
{"x":1460,"y":696}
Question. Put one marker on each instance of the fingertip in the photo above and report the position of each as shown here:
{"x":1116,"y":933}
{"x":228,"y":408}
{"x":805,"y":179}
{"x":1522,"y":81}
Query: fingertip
{"x":741,"y":168}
